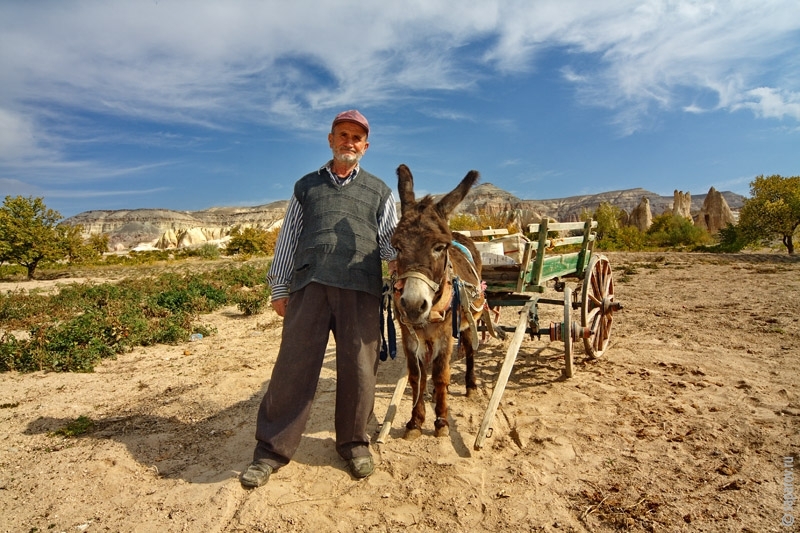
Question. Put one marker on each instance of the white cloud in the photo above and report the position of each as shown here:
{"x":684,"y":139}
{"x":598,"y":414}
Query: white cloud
{"x":214,"y":64}
{"x":18,"y":140}
{"x":771,"y":103}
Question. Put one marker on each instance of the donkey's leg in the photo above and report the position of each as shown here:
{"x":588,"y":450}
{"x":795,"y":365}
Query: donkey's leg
{"x":417,"y":379}
{"x":441,"y":382}
{"x":469,"y":356}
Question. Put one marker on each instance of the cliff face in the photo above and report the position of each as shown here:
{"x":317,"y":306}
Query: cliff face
{"x":128,"y":228}
{"x":168,"y":229}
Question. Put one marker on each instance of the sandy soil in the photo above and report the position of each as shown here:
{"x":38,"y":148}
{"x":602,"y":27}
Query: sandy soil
{"x":684,"y":424}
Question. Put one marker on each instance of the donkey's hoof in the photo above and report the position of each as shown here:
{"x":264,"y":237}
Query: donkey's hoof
{"x":472,"y":391}
{"x":412,"y":434}
{"x":443,"y":431}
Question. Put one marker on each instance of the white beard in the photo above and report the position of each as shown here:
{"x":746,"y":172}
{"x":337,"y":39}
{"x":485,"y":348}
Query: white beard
{"x":347,"y":158}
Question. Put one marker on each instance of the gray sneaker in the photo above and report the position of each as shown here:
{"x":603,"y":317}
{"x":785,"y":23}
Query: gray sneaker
{"x":256,"y":474}
{"x":361,"y":467}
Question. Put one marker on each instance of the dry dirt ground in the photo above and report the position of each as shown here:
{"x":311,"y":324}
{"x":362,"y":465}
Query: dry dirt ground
{"x":687,"y":423}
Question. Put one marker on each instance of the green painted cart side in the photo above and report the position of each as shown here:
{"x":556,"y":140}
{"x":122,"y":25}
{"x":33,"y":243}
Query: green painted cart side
{"x":539,"y":264}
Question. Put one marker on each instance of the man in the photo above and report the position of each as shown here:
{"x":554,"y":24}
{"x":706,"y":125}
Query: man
{"x":327,"y":276}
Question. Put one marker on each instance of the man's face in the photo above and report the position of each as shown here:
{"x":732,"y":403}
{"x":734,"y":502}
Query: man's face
{"x":348,"y":142}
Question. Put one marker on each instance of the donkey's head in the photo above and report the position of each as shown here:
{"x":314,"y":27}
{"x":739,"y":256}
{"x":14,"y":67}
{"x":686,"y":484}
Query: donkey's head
{"x":422,"y":239}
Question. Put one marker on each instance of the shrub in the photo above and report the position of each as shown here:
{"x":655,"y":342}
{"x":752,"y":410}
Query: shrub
{"x":252,"y":241}
{"x":671,"y":231}
{"x":463,"y":222}
{"x":206,"y":251}
{"x":85,"y":323}
{"x":80,"y":426}
{"x":252,"y":302}
{"x":731,"y":239}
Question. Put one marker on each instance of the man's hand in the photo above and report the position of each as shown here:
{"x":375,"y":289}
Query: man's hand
{"x":279,"y":306}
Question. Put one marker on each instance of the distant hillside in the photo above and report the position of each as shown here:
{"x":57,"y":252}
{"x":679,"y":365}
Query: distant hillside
{"x":127,"y":228}
{"x":488,"y":198}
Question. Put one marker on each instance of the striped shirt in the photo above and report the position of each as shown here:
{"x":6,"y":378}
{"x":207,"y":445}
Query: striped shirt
{"x":280,"y":273}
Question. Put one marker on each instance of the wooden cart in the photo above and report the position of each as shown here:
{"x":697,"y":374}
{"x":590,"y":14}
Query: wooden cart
{"x":522,"y":284}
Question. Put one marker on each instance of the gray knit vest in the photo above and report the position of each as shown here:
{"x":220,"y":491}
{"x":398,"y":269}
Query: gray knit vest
{"x":338,"y":245}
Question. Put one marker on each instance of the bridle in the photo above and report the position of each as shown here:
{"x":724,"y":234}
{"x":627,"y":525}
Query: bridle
{"x":452,"y":291}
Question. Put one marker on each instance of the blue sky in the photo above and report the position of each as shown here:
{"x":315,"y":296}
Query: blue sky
{"x":188,"y":104}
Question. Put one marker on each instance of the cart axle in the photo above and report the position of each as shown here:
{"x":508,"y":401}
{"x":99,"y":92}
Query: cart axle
{"x":574,"y":331}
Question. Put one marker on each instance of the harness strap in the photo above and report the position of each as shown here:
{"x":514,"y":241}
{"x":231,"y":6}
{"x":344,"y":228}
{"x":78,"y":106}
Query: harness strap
{"x":468,"y":306}
{"x":388,"y":348}
{"x":419,"y":275}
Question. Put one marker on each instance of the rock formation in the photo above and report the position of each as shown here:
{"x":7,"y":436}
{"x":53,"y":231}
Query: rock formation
{"x":641,"y":217}
{"x":682,"y":204}
{"x":164,"y":228}
{"x":715,"y":213}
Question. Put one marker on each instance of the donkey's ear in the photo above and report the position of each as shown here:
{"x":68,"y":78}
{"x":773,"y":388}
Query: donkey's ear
{"x":447,"y":204}
{"x":405,"y":187}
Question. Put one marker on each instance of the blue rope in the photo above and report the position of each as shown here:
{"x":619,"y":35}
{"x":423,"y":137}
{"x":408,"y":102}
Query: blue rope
{"x":463,"y":249}
{"x":388,"y":348}
{"x":455,"y":308}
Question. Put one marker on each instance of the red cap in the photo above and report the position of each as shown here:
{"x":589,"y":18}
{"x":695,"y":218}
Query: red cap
{"x":351,"y":116}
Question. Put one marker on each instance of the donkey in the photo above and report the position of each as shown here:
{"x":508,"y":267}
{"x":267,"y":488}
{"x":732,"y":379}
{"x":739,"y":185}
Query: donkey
{"x":437,"y":295}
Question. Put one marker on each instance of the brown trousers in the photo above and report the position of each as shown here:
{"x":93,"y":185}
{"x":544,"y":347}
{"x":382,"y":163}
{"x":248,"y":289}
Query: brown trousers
{"x":312,"y":313}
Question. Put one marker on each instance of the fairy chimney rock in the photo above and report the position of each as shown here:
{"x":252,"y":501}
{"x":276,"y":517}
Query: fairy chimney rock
{"x":682,"y":204}
{"x":641,"y":217}
{"x":715,"y":213}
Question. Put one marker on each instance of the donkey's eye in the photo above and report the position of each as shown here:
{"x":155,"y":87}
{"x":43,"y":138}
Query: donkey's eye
{"x":439,"y":248}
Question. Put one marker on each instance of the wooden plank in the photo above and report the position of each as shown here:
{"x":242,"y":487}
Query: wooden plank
{"x":586,"y":249}
{"x":505,"y":372}
{"x":391,"y":411}
{"x":538,"y":263}
{"x":527,"y":254}
{"x":552,"y":243}
{"x":482,"y":232}
{"x":557,"y":226}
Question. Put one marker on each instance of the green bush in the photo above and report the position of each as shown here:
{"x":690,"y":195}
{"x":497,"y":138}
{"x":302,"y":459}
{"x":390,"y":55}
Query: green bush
{"x":253,"y":303}
{"x":625,"y":238}
{"x":251,"y":241}
{"x":80,"y":426}
{"x":731,"y":239}
{"x":206,"y":251}
{"x":84,"y":323}
{"x":672,"y":231}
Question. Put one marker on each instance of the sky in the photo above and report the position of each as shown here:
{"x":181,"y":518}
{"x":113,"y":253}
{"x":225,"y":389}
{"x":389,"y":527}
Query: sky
{"x":188,"y":105}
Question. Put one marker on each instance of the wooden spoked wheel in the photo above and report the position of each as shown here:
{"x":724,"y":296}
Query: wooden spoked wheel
{"x":567,"y":332}
{"x":598,"y":305}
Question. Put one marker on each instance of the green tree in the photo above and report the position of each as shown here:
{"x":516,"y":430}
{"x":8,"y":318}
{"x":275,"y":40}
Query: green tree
{"x":99,"y":242}
{"x":609,"y":219}
{"x":75,"y":248}
{"x":625,"y":238}
{"x":251,"y":241}
{"x":28,"y":232}
{"x":772,"y":211}
{"x":669,"y":230}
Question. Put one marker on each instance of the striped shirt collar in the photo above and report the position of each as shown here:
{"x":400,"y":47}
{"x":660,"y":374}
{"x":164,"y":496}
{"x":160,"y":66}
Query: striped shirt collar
{"x":336,"y":179}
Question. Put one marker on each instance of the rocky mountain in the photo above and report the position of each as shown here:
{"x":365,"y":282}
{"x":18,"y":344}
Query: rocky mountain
{"x":165,"y":228}
{"x":488,"y":198}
